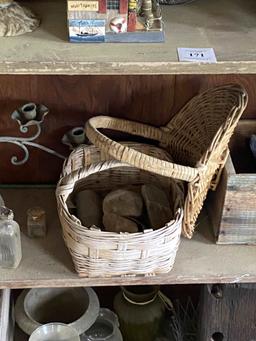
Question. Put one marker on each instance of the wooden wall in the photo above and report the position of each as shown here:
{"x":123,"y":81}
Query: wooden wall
{"x":73,"y":99}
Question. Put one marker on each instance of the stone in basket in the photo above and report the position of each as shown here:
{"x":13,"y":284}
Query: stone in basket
{"x":98,"y":253}
{"x":197,"y":139}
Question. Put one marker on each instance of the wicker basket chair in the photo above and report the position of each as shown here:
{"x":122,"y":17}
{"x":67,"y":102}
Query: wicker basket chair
{"x":197,"y":139}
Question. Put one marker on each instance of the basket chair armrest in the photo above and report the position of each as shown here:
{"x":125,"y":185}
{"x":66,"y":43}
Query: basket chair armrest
{"x":129,"y":155}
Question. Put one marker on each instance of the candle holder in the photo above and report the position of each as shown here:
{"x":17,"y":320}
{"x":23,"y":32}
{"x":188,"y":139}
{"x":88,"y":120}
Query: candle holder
{"x":27,"y":116}
{"x":74,"y":137}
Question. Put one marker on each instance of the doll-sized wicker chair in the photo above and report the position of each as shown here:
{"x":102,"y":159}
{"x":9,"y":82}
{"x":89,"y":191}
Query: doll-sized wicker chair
{"x":197,"y":139}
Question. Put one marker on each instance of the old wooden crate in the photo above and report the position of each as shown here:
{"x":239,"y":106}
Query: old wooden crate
{"x":227,"y":313}
{"x":232,"y":207}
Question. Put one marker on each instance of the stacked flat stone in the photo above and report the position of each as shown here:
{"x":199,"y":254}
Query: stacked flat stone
{"x":118,"y":206}
{"x":89,"y":208}
{"x":122,"y":209}
{"x":157,"y":205}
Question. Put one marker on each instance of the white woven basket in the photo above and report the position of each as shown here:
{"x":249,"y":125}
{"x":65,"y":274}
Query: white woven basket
{"x":97,"y":253}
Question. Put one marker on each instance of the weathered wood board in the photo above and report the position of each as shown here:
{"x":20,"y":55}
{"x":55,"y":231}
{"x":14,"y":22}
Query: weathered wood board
{"x":232,"y":207}
{"x":228,"y":313}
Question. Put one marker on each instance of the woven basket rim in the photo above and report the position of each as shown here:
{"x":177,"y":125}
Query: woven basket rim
{"x":74,"y":220}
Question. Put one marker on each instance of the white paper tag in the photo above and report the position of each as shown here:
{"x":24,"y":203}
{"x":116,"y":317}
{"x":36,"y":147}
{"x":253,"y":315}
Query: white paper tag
{"x":204,"y":55}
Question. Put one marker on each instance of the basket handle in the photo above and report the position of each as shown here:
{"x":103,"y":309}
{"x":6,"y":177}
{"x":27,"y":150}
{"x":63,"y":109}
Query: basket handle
{"x":67,"y":183}
{"x":131,"y":156}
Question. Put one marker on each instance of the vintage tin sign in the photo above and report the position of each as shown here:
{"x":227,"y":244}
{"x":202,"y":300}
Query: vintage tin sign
{"x":90,"y":30}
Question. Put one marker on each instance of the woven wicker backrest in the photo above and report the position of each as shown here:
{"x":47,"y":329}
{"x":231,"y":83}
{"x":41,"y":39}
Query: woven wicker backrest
{"x":204,"y":122}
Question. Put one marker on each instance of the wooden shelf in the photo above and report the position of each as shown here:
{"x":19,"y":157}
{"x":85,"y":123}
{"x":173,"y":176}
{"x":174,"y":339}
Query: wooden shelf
{"x":46,"y":262}
{"x":229,"y":26}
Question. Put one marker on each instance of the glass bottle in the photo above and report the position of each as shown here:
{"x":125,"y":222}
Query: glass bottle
{"x":105,"y":328}
{"x":140,"y":311}
{"x":10,"y":242}
{"x":36,"y":222}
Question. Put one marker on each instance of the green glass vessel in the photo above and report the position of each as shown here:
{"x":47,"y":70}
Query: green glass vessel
{"x":140,"y":311}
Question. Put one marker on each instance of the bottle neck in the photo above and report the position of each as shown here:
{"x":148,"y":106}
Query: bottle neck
{"x":142,"y":296}
{"x":6,"y":213}
{"x":132,"y":301}
{"x":1,"y":201}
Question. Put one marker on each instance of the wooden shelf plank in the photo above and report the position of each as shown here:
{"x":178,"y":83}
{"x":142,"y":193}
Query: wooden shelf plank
{"x":226,"y":25}
{"x":46,"y":262}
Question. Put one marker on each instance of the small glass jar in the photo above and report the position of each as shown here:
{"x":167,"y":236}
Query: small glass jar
{"x":36,"y":222}
{"x":105,"y":328}
{"x":10,"y":242}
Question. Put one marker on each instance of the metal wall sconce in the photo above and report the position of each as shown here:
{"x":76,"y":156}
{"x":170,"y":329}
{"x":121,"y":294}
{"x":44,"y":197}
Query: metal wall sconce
{"x":29,"y":115}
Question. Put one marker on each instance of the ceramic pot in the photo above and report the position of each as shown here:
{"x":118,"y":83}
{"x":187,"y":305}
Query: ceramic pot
{"x":76,"y":307}
{"x":140,"y":311}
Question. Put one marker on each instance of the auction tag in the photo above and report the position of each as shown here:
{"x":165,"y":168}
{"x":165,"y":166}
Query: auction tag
{"x":204,"y":55}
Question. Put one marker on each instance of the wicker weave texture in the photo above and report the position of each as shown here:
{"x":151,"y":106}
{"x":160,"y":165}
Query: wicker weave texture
{"x":98,"y":253}
{"x":197,"y":139}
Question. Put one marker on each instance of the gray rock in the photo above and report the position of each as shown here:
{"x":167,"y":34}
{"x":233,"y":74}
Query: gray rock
{"x":157,"y":205}
{"x":89,"y":208}
{"x":115,"y":223}
{"x":124,"y":203}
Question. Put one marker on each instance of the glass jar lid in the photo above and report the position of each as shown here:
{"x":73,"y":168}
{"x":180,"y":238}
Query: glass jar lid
{"x":36,"y":213}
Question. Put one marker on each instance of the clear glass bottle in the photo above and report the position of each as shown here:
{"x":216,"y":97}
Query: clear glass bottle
{"x":10,"y":242}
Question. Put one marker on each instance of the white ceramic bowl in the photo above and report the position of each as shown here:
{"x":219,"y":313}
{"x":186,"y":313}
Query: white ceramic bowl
{"x":76,"y":307}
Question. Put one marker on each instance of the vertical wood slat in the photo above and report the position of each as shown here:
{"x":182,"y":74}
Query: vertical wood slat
{"x":102,"y":6}
{"x":132,"y":19}
{"x":123,"y":6}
